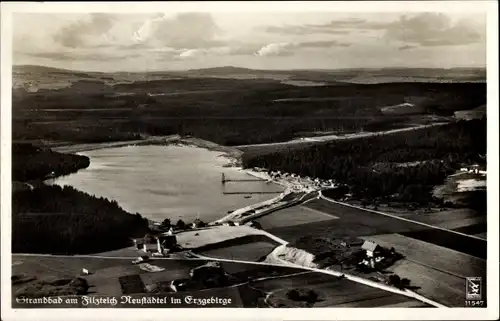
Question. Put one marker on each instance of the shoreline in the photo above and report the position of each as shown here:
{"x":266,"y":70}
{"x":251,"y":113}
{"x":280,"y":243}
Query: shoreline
{"x":232,"y":155}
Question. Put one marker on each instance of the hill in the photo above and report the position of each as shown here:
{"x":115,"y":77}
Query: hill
{"x":36,"y":69}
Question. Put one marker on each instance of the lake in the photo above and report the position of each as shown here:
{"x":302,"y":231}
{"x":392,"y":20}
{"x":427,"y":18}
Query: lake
{"x":167,"y":182}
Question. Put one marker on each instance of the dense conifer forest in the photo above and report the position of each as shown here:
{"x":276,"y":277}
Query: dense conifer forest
{"x":63,"y":220}
{"x":403,"y":166}
{"x":34,"y":163}
{"x":225,"y":111}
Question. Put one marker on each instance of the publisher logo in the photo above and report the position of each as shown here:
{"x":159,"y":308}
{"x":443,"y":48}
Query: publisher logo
{"x":473,"y":288}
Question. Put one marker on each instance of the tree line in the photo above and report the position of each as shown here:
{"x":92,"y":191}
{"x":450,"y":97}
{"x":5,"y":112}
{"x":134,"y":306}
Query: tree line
{"x":35,"y":163}
{"x":63,"y":220}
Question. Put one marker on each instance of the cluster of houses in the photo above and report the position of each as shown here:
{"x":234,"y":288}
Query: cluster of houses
{"x":473,"y":169}
{"x":302,"y":182}
{"x":160,"y":244}
{"x":162,"y":241}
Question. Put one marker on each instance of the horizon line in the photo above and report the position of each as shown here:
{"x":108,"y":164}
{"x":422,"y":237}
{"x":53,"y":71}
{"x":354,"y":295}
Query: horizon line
{"x":250,"y":69}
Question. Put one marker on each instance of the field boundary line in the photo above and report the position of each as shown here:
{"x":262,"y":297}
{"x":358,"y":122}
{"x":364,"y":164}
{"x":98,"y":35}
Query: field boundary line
{"x":401,"y":218}
{"x":333,"y":217}
{"x":435,"y":268}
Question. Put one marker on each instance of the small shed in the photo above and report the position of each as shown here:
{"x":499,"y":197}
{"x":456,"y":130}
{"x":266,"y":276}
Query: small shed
{"x":167,"y":241}
{"x":371,"y":248}
{"x":153,"y":246}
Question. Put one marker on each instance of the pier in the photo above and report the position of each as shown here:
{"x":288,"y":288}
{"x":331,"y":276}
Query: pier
{"x":247,"y":193}
{"x":224,"y":180}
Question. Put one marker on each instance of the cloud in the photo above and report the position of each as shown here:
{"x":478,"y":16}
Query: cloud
{"x":406,"y":47}
{"x":85,"y":32}
{"x":424,"y":29}
{"x":230,"y":50}
{"x":275,"y":49}
{"x":432,"y":29}
{"x":304,"y":30}
{"x":183,"y":31}
{"x":322,"y":44}
{"x":339,"y":27}
{"x":289,"y":48}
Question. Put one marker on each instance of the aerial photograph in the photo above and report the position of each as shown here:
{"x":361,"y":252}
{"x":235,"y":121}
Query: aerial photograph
{"x":272,"y":159}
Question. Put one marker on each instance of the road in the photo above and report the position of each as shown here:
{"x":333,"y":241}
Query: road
{"x":326,"y":138}
{"x":352,"y":278}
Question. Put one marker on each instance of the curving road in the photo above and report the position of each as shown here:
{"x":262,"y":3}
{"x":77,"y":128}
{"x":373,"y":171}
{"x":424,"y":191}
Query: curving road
{"x":194,"y":256}
{"x":350,"y":277}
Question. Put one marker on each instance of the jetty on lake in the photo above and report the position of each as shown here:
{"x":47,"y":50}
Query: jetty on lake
{"x":225,"y":180}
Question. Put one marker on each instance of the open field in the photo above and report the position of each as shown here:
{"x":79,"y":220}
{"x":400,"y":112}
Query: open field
{"x":441,"y":287}
{"x":245,"y":248}
{"x":105,"y":281}
{"x":357,"y":222}
{"x":332,"y":292}
{"x":193,"y":239}
{"x":253,"y":251}
{"x":457,"y":219}
{"x":105,"y":273}
{"x":450,"y":219}
{"x":295,"y":215}
{"x":440,"y":258}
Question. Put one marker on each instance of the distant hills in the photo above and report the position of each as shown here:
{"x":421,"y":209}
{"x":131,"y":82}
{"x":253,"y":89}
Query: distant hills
{"x":44,"y":69}
{"x":232,"y":69}
{"x":359,"y":75}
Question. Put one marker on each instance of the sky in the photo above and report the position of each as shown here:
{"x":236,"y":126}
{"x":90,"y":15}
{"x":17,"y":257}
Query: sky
{"x":258,"y":40}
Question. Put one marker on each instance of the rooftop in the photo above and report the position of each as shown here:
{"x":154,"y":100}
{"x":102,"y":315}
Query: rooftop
{"x":369,"y":246}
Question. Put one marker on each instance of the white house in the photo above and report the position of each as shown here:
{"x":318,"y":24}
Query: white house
{"x":371,"y":248}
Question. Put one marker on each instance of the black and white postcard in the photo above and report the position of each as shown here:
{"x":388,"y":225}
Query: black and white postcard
{"x":241,"y":160}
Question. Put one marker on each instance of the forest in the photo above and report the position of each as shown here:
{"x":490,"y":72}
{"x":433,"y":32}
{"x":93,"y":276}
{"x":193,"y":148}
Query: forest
{"x":400,"y":167}
{"x":225,"y":111}
{"x":63,"y":220}
{"x":35,"y":163}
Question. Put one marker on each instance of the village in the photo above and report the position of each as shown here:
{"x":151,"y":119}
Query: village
{"x":358,"y":256}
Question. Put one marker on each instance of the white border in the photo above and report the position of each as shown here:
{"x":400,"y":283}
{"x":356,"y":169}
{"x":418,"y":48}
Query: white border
{"x":490,"y":313}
